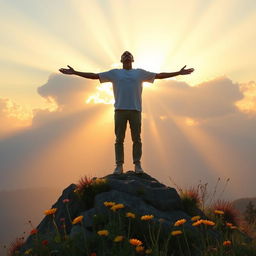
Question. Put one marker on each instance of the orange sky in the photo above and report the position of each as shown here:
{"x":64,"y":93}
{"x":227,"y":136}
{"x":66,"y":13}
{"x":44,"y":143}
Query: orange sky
{"x":195,"y":127}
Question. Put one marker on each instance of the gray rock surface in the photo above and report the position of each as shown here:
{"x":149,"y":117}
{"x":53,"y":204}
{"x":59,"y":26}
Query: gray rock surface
{"x":140,"y":193}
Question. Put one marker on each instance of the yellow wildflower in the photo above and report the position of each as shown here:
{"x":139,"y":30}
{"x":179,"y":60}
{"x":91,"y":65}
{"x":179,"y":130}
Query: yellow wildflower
{"x":119,"y":239}
{"x":233,"y":227}
{"x":99,"y":180}
{"x":148,"y":251}
{"x":116,"y":207}
{"x":179,"y":222}
{"x":147,"y":217}
{"x":77,"y":219}
{"x":228,"y":224}
{"x":109,"y":204}
{"x":227,"y":243}
{"x":50,"y":212}
{"x":219,"y":212}
{"x":197,"y":223}
{"x":208,"y":222}
{"x":176,"y":232}
{"x":103,"y":232}
{"x":28,"y":251}
{"x":139,"y":248}
{"x":195,"y":218}
{"x":130,"y":215}
{"x":134,"y":241}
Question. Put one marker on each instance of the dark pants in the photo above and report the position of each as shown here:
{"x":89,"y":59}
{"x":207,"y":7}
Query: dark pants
{"x":134,"y":118}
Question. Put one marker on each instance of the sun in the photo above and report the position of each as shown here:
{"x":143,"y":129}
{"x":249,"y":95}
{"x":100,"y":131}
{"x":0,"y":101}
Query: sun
{"x":103,"y":95}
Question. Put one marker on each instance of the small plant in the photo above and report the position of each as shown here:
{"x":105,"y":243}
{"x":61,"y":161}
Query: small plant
{"x":230,"y":214}
{"x":88,"y":188}
{"x":199,"y":196}
{"x":191,"y":200}
{"x":83,"y":183}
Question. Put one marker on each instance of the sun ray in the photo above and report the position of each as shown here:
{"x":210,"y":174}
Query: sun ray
{"x":209,"y":148}
{"x":79,"y":147}
{"x":156,"y":145}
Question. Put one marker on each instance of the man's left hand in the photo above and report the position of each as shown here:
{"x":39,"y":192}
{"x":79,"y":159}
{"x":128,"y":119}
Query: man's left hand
{"x":184,"y":71}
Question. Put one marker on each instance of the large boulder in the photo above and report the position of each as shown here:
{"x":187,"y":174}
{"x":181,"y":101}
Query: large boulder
{"x":140,"y":194}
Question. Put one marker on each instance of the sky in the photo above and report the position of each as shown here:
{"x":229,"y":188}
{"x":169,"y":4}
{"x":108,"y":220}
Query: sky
{"x":57,"y":128}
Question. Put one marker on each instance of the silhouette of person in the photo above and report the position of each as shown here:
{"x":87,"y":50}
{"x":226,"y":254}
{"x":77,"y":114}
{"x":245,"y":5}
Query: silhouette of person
{"x":127,"y":88}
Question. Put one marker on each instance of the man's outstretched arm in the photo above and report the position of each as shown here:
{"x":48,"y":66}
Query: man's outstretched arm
{"x":183,"y":71}
{"x":71,"y":71}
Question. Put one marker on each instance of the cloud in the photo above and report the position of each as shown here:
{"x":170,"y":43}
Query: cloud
{"x":66,"y":91}
{"x":206,"y":100}
{"x":12,"y":117}
{"x":248,"y":103}
{"x":189,"y":133}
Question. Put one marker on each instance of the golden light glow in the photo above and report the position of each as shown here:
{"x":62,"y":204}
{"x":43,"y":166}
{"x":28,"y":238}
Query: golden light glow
{"x":104,"y":95}
{"x":219,"y":157}
{"x":163,"y":43}
{"x":90,"y":138}
{"x":14,"y":110}
{"x":248,"y":103}
{"x":163,"y":117}
{"x":191,"y":122}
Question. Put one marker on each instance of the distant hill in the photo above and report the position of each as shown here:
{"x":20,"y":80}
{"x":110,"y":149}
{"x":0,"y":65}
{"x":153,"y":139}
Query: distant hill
{"x":240,"y":204}
{"x":20,"y":206}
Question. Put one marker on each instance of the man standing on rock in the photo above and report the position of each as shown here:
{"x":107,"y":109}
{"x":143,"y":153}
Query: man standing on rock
{"x":127,"y":87}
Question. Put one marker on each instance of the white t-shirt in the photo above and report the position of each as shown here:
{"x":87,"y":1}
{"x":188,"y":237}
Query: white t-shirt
{"x":127,"y":86}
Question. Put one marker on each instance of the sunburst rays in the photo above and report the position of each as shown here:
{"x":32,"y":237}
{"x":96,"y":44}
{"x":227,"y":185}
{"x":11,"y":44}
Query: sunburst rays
{"x":163,"y":36}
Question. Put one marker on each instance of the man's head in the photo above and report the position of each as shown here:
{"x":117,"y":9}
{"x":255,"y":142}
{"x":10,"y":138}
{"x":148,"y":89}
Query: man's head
{"x":127,"y":57}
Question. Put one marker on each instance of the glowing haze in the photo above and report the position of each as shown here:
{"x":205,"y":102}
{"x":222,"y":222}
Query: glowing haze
{"x":57,"y":128}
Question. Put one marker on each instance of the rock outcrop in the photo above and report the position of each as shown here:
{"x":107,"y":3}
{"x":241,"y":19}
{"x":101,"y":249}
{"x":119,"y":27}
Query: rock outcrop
{"x":140,"y":194}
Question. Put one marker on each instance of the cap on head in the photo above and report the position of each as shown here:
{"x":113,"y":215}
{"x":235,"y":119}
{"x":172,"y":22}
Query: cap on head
{"x":125,"y":55}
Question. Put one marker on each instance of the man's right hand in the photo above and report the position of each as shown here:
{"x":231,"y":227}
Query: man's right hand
{"x":67,"y":71}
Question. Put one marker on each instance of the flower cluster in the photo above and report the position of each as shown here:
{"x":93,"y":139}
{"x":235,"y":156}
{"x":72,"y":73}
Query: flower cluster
{"x":206,"y":222}
{"x":116,"y":231}
{"x":116,"y":207}
{"x":109,"y":204}
{"x":99,"y":181}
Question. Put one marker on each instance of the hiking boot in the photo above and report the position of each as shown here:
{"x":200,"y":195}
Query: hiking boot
{"x":118,"y":170}
{"x":138,"y":169}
